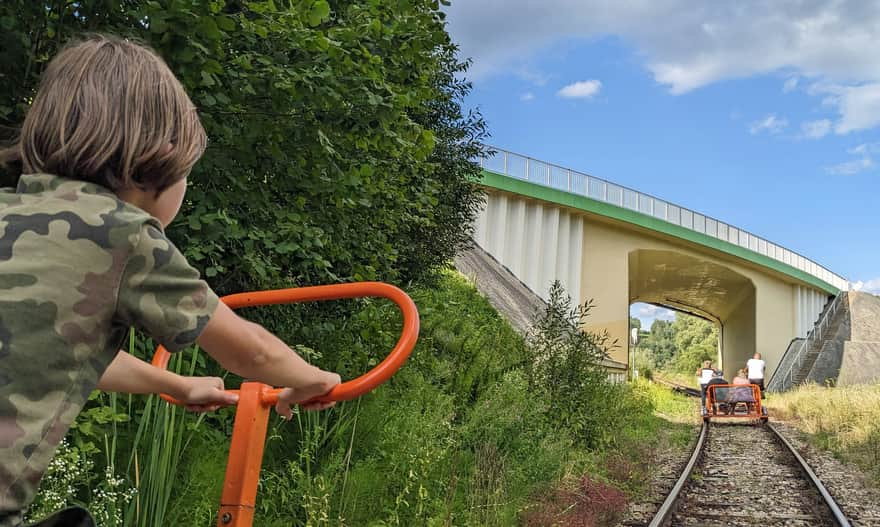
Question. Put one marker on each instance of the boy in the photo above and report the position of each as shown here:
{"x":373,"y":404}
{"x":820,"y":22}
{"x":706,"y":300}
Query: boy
{"x":104,"y":153}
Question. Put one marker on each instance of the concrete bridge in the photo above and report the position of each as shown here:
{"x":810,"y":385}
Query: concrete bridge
{"x":618,"y":246}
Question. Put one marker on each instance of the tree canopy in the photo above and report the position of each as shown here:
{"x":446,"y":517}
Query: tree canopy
{"x":338,"y":149}
{"x":680,"y":345}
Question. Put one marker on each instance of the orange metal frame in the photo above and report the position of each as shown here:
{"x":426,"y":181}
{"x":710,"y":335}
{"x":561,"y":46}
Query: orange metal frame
{"x":754,"y":408}
{"x":256,"y":399}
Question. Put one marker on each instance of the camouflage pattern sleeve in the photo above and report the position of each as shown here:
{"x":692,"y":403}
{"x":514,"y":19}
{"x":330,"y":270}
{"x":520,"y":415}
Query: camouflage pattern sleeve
{"x":161,"y":294}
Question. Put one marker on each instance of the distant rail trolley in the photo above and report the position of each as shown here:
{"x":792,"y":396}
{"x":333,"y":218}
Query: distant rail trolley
{"x":738,"y":401}
{"x":779,"y":486}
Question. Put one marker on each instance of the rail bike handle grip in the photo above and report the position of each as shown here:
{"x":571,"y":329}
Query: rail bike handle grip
{"x":349,"y":389}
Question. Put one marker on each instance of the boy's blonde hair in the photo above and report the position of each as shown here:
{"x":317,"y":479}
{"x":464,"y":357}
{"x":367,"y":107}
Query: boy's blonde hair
{"x":109,"y":111}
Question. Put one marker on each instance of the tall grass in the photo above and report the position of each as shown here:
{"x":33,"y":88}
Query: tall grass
{"x":843,"y":420}
{"x":157,"y":448}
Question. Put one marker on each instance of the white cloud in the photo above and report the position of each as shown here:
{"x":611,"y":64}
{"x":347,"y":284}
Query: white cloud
{"x":581,"y":89}
{"x":648,"y":313}
{"x":863,"y":149}
{"x":866,"y":160}
{"x":697,"y":43}
{"x":650,"y":310}
{"x":816,"y":129}
{"x":850,"y":168}
{"x":790,"y":85}
{"x":527,"y":96}
{"x":868,"y":286}
{"x":533,"y":76}
{"x":858,"y":106}
{"x":771,"y":124}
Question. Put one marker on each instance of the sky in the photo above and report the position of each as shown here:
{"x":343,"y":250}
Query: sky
{"x":765,"y":115}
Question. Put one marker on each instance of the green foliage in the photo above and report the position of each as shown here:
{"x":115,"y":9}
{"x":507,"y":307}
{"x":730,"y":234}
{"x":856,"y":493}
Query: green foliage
{"x":338,"y":148}
{"x":697,"y":341}
{"x":199,"y":481}
{"x":72,"y":479}
{"x":659,"y":343}
{"x":566,"y":366}
{"x":678,"y":346}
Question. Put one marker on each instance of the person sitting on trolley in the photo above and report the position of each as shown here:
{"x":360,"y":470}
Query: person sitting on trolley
{"x":719,"y":396}
{"x":743,"y":393}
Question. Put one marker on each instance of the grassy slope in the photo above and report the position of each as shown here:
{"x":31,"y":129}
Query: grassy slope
{"x":844,"y":420}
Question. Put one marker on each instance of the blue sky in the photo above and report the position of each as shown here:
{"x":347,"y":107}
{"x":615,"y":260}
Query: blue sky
{"x":765,"y":115}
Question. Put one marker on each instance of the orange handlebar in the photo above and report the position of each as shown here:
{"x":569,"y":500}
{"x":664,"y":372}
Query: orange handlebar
{"x":355,"y":387}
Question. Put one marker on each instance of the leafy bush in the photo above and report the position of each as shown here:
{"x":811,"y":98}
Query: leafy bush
{"x":696,"y":340}
{"x":338,"y":147}
{"x":566,"y":368}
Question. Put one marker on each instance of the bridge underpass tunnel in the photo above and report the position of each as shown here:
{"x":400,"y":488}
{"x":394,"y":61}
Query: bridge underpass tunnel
{"x":703,"y":288}
{"x":683,"y":280}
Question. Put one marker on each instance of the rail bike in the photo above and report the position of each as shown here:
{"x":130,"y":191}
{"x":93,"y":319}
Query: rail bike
{"x":734,"y":401}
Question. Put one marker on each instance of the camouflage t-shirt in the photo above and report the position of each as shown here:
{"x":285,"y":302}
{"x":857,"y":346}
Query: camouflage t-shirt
{"x":78,"y":267}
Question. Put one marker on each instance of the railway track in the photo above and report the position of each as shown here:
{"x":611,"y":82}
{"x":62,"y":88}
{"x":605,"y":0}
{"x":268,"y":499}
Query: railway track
{"x":746,"y":475}
{"x":686,"y":390}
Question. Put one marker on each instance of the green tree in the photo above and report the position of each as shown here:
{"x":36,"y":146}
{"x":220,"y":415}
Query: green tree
{"x":635,"y":322}
{"x":659,"y":342}
{"x":696,"y":340}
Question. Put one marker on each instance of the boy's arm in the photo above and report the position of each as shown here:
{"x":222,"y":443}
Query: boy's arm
{"x":251,"y":351}
{"x":129,"y":374}
{"x":162,"y":294}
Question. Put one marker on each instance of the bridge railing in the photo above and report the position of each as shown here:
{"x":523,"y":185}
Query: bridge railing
{"x":560,"y":178}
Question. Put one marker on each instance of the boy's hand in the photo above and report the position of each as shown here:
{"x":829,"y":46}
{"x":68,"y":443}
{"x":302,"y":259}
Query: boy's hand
{"x":205,"y":394}
{"x":324,"y":382}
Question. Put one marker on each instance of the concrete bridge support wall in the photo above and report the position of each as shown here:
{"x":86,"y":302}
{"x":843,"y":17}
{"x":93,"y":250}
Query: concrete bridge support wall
{"x":738,"y":342}
{"x":538,"y":242}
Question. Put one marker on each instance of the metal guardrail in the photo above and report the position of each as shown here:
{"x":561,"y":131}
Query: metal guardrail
{"x":560,"y":178}
{"x":779,"y":382}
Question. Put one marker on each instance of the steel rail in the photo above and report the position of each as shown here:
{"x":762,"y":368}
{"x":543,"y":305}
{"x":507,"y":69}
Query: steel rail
{"x":685,"y":390}
{"x":665,"y":512}
{"x":838,"y":514}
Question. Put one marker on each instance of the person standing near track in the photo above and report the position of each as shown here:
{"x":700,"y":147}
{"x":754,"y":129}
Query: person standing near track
{"x":705,"y":375}
{"x":756,"y":366}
